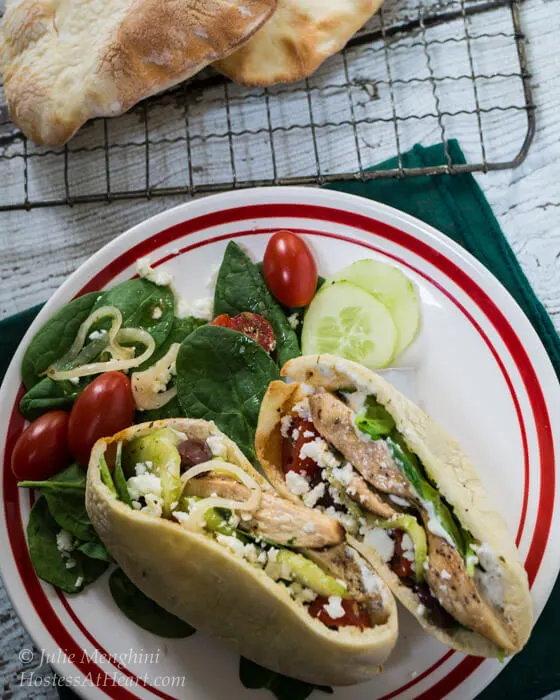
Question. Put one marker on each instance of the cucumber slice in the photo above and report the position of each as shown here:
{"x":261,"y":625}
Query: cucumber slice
{"x":393,"y":289}
{"x":345,"y":320}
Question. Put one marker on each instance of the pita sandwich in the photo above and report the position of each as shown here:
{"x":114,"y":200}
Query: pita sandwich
{"x":296,"y":40}
{"x":63,"y":63}
{"x":343,"y":441}
{"x":199,"y":531}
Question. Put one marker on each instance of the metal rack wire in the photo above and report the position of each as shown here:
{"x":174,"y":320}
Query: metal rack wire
{"x":390,"y":88}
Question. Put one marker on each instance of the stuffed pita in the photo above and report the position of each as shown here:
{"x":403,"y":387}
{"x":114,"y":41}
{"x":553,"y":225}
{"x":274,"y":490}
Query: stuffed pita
{"x":199,"y":531}
{"x":343,"y":441}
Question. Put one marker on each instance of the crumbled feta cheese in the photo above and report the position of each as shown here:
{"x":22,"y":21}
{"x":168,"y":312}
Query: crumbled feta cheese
{"x":157,"y":313}
{"x":310,"y":499}
{"x":407,"y":547}
{"x":319,"y":452}
{"x":70,"y":563}
{"x":302,"y":409}
{"x":74,"y":380}
{"x":369,"y":578}
{"x":301,"y":594}
{"x":142,"y":485}
{"x":343,"y":517}
{"x":445,"y":575}
{"x":343,"y":475}
{"x":217,"y":446}
{"x":232,"y":543}
{"x":64,"y":541}
{"x":382,"y":542}
{"x":295,"y":434}
{"x":297,"y":483}
{"x":308,"y":434}
{"x":293,"y":320}
{"x":420,"y":610}
{"x":95,"y":335}
{"x":334,"y":607}
{"x":158,"y":277}
{"x":140,"y":469}
{"x":285,"y":426}
{"x":79,"y":581}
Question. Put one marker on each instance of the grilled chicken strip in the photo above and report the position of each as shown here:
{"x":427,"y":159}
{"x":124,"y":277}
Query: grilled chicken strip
{"x":372,"y":458}
{"x":360,"y":492}
{"x":339,"y":562}
{"x":276,"y":518}
{"x":458,"y":594}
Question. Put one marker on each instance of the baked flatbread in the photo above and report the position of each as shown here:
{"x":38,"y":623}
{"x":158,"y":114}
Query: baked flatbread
{"x":296,"y":40}
{"x":65,"y":62}
{"x":198,"y":580}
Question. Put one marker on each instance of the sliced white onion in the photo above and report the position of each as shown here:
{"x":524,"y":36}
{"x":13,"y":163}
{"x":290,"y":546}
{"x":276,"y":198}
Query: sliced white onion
{"x":124,"y":335}
{"x":84,"y":329}
{"x":196,"y":519}
{"x":145,"y":397}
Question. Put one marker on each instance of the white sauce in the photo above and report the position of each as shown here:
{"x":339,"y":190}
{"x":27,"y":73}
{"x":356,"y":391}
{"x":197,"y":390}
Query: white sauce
{"x":491,"y":580}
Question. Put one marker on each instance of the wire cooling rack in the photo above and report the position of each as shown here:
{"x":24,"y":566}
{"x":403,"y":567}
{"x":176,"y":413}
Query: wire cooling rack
{"x":415,"y":74}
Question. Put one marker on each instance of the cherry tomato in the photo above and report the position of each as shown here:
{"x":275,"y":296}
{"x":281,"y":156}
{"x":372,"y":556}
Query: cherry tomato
{"x":252,"y":325}
{"x":102,"y":409}
{"x":399,"y":563}
{"x":289,"y":269}
{"x":301,"y":432}
{"x":42,"y":449}
{"x":355,"y":615}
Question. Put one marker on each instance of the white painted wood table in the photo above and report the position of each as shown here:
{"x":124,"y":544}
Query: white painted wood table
{"x":40,"y":248}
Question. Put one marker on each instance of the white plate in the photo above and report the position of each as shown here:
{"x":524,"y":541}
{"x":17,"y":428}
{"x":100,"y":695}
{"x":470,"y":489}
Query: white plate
{"x":481,"y":372}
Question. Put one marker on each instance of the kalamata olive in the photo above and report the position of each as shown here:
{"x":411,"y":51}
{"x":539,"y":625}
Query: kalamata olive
{"x":194,"y":452}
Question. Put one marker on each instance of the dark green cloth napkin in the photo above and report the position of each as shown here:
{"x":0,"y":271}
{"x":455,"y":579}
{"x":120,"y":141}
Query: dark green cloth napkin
{"x":456,"y":206}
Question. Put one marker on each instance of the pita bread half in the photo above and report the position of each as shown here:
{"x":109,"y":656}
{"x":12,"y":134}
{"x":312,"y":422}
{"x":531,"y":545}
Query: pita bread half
{"x":64,"y":62}
{"x":296,"y":40}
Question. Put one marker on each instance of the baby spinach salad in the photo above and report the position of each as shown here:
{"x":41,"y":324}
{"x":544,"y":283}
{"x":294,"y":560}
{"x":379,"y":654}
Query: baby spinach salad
{"x":111,"y":359}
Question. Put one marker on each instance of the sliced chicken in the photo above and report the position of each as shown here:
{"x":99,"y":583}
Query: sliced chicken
{"x":458,"y":594}
{"x":372,"y":458}
{"x":359,"y":491}
{"x":339,"y":562}
{"x":276,"y":518}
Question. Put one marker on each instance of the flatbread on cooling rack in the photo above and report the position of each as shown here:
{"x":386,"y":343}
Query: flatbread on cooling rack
{"x":296,"y":40}
{"x":64,"y":62}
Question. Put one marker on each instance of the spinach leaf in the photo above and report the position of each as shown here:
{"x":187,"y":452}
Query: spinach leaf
{"x":241,"y":287}
{"x":182,"y":328}
{"x":143,"y":611}
{"x":73,"y":478}
{"x":49,"y":563}
{"x":172,"y":409}
{"x":55,"y":337}
{"x":376,"y":422}
{"x":412,"y":469}
{"x":138,"y":300}
{"x":65,"y":494}
{"x":48,"y":395}
{"x":95,"y":549}
{"x":282,"y":687}
{"x":106,"y":477}
{"x":222,"y":376}
{"x":120,"y":479}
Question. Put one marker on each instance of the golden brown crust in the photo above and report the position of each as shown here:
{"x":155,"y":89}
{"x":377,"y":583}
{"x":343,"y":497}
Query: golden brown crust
{"x":445,"y":462}
{"x":64,"y":63}
{"x":296,"y":40}
{"x":195,"y":578}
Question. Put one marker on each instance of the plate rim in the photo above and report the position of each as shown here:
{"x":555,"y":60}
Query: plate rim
{"x":232,"y":200}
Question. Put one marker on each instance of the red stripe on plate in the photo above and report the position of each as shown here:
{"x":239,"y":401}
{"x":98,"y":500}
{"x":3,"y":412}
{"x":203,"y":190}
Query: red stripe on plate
{"x":423,"y":250}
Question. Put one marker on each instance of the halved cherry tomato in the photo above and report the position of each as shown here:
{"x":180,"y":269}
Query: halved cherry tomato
{"x":401,"y":566}
{"x":355,"y":615}
{"x":301,"y":432}
{"x":289,"y":269}
{"x":102,"y":409}
{"x":42,"y":449}
{"x":252,"y":325}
